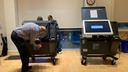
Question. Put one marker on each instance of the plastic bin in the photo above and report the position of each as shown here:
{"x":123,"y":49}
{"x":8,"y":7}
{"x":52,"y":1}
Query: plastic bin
{"x":124,"y":46}
{"x":75,"y":37}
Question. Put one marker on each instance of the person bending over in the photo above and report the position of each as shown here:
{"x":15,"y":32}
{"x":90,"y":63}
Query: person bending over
{"x":21,"y":37}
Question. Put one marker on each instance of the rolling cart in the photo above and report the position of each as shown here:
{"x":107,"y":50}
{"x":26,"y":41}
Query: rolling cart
{"x":48,"y":41}
{"x":98,"y":38}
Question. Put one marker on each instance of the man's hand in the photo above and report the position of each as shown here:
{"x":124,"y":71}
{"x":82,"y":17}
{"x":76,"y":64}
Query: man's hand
{"x":42,"y":28}
{"x":38,"y":46}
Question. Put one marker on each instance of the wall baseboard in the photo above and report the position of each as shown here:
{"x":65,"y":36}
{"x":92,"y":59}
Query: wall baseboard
{"x":12,"y":52}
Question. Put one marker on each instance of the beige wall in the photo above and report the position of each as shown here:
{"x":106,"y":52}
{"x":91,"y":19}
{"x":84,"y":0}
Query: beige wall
{"x":66,"y":12}
{"x":1,"y":22}
{"x":121,"y":10}
{"x":10,"y":20}
{"x":2,"y":18}
{"x":117,"y":9}
{"x":1,"y":12}
{"x":109,"y":4}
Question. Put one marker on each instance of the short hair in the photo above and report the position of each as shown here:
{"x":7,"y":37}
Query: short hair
{"x":50,"y":17}
{"x":39,"y":18}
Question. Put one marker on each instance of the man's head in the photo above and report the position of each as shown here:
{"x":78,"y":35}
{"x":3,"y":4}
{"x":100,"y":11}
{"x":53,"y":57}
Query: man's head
{"x":39,"y":18}
{"x":50,"y":18}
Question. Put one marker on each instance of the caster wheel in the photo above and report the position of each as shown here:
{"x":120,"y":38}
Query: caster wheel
{"x":33,"y":59}
{"x":104,"y":58}
{"x":113,"y":62}
{"x":53,"y":61}
{"x":83,"y":62}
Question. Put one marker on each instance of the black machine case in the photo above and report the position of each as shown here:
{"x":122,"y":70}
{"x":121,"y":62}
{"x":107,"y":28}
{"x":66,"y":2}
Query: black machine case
{"x":48,"y":40}
{"x":98,"y":45}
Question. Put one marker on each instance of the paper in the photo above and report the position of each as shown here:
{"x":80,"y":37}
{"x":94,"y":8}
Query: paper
{"x":93,"y":14}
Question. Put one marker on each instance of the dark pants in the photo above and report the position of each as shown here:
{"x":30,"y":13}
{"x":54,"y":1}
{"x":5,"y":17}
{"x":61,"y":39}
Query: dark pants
{"x":23,"y":50}
{"x":59,"y":44}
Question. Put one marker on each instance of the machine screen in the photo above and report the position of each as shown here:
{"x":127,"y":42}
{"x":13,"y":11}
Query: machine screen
{"x":93,"y":13}
{"x":97,"y":27}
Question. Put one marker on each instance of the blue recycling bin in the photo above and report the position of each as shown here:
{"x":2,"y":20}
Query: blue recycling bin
{"x":75,"y":37}
{"x":124,"y":46}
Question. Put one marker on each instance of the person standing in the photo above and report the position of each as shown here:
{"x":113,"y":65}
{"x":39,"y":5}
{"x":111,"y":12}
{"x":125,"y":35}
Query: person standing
{"x":54,"y":25}
{"x":39,"y":18}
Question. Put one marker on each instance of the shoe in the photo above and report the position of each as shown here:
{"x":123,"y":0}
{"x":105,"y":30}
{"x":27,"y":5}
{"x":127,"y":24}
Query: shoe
{"x":60,"y":52}
{"x":2,"y":55}
{"x":27,"y":69}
